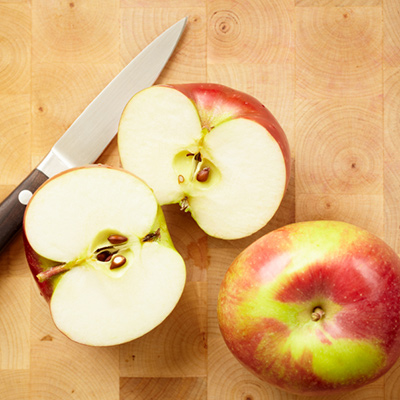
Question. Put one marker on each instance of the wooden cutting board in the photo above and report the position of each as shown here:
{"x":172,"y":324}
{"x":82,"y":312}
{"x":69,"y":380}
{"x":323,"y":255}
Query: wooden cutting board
{"x":329,"y":70}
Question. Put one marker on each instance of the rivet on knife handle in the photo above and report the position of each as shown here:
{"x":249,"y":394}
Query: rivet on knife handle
{"x":13,"y":207}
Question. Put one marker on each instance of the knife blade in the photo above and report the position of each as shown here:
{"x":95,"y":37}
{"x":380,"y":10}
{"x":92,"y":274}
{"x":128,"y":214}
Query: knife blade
{"x":93,"y":130}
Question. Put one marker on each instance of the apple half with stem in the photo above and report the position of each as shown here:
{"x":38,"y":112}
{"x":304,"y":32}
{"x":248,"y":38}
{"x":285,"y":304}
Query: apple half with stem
{"x":216,"y":151}
{"x":314,"y":307}
{"x":98,"y":246}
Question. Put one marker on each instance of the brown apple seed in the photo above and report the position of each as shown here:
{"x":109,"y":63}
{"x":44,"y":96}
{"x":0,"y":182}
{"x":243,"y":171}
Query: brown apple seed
{"x":117,"y":262}
{"x":203,"y":174}
{"x":181,"y":179}
{"x":104,"y":256}
{"x":117,"y":239}
{"x":197,"y":157}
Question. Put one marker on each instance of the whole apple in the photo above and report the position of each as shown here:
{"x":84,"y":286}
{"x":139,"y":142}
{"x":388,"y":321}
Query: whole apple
{"x":313,"y":307}
{"x":216,"y":151}
{"x":98,"y":246}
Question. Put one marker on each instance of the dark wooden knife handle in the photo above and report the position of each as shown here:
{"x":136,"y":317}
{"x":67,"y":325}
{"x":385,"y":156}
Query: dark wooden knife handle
{"x":13,"y":207}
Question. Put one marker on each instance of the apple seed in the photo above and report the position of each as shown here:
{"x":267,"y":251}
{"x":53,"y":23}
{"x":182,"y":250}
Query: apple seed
{"x":117,"y":239}
{"x":197,"y":157}
{"x":104,"y":256}
{"x":181,"y":178}
{"x":117,"y":262}
{"x":203,"y":174}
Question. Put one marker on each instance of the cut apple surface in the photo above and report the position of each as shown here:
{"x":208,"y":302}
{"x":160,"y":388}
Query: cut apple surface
{"x":216,"y":151}
{"x":98,"y":246}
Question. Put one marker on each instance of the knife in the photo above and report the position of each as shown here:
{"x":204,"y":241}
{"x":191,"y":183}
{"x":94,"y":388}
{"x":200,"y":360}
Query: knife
{"x":93,"y":130}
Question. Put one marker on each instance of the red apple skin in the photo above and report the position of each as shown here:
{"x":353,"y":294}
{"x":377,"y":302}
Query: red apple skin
{"x":38,"y":264}
{"x":217,"y":103}
{"x":270,"y":291}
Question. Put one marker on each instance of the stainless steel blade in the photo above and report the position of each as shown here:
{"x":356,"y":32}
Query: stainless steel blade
{"x":93,"y":130}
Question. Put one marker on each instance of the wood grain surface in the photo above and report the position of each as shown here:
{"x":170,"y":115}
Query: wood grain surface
{"x":329,"y":70}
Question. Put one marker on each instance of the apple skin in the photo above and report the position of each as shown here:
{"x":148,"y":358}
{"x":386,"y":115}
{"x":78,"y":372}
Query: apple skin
{"x":38,"y":263}
{"x":272,"y":288}
{"x":217,"y":103}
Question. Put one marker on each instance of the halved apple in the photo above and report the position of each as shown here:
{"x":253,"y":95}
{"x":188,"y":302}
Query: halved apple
{"x":98,"y":246}
{"x":216,"y":151}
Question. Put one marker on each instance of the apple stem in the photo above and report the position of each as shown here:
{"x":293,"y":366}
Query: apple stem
{"x":49,"y":273}
{"x":317,"y":314}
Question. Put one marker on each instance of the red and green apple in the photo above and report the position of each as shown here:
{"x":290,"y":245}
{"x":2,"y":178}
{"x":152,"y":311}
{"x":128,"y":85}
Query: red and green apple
{"x":216,"y":151}
{"x":313,"y":307}
{"x":98,"y":246}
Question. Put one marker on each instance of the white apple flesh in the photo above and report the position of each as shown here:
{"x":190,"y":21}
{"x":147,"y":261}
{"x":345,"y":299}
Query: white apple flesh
{"x":216,"y":151}
{"x":98,"y":246}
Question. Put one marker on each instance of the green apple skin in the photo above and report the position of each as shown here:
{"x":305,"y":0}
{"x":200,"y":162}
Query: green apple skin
{"x":219,"y":103}
{"x":273,"y":289}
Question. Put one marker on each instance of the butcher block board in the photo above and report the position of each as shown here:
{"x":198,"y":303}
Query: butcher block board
{"x":329,"y":70}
